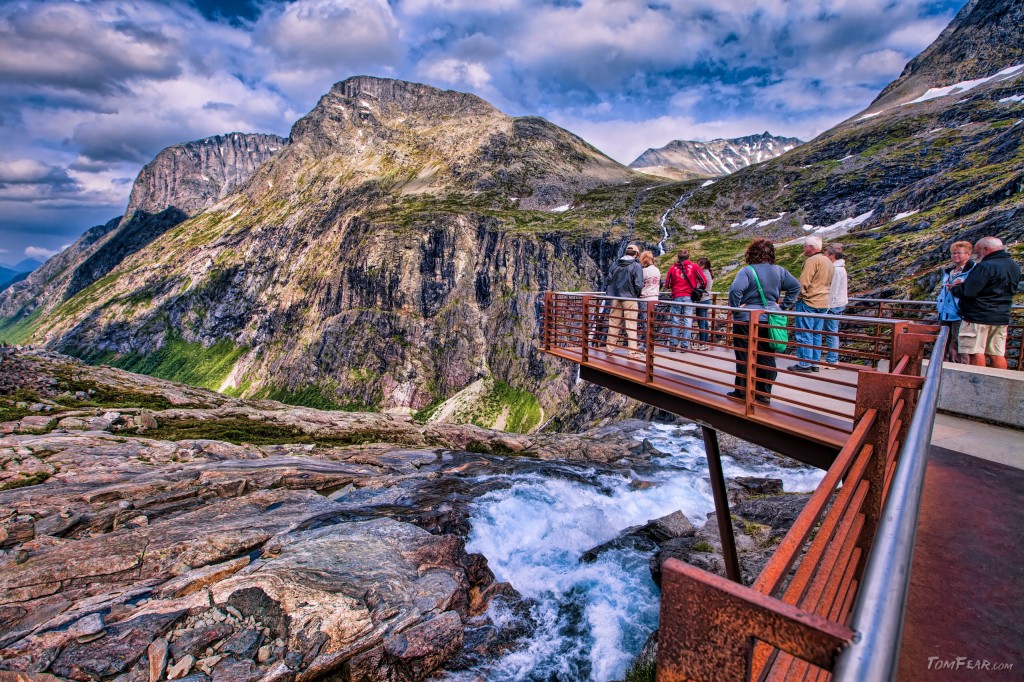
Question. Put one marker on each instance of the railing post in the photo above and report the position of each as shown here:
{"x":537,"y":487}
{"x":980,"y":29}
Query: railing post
{"x":650,"y":341}
{"x":897,"y":329}
{"x":751,"y":371}
{"x":547,"y":320}
{"x":874,"y":391}
{"x":585,"y":317}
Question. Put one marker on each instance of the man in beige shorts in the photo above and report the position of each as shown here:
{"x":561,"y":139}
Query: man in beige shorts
{"x":985,"y":300}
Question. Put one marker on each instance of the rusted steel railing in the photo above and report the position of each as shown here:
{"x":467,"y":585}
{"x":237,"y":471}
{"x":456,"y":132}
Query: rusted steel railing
{"x":795,"y":619}
{"x":637,"y":340}
{"x":926,"y":310}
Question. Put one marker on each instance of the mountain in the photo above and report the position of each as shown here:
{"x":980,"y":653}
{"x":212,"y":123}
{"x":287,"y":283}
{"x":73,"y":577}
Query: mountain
{"x":180,"y":182}
{"x":27,"y":265}
{"x":7,"y":275}
{"x":389,"y":256}
{"x":938,"y":157}
{"x":683,"y":160}
{"x":983,"y":37}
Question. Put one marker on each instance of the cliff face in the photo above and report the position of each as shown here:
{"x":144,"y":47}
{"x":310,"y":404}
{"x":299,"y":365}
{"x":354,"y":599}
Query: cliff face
{"x":684,"y":159}
{"x":180,"y":182}
{"x":389,"y":256}
{"x":984,"y":37}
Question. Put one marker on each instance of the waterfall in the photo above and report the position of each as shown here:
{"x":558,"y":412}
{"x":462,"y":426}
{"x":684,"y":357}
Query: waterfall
{"x":593,"y":618}
{"x":664,"y":218}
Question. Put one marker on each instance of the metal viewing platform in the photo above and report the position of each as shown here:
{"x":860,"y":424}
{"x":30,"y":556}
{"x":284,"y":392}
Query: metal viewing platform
{"x":830,"y":602}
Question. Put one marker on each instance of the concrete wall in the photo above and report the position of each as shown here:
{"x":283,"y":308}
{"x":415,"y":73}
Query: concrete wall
{"x":995,"y":395}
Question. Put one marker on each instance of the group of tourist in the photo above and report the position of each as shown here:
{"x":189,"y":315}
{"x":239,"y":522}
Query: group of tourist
{"x":636,"y":276}
{"x":974,"y":301}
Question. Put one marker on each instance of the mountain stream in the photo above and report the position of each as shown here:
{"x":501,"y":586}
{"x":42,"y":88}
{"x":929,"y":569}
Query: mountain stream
{"x":593,"y":618}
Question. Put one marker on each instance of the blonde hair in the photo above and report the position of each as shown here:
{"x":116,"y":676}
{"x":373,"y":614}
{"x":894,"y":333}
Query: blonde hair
{"x":646,"y":258}
{"x":961,"y":246}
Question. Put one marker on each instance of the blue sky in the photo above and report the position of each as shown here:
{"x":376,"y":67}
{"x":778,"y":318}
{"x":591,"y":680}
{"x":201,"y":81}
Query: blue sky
{"x":92,"y":90}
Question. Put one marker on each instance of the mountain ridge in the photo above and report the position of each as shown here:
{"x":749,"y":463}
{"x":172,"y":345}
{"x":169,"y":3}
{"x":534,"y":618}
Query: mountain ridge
{"x":686,"y":159}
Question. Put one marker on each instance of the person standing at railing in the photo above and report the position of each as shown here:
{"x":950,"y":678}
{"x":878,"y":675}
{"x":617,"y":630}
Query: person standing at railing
{"x":625,"y":280}
{"x":947,"y":305}
{"x":683,"y":278}
{"x":652,"y":284}
{"x":838,"y":298}
{"x":986,"y":297}
{"x":762,"y":281}
{"x":815,"y":283}
{"x":704,"y":314}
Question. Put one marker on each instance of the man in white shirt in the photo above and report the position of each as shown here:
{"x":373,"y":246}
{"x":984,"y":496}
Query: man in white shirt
{"x":838,"y":298}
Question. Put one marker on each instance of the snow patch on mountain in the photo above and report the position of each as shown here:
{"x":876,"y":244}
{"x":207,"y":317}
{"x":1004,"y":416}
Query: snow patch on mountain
{"x":717,"y":157}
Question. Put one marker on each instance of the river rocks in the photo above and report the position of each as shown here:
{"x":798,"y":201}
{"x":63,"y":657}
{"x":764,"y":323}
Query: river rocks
{"x":647,"y":537}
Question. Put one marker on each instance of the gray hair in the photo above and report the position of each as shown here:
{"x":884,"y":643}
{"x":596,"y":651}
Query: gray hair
{"x":835,"y":249}
{"x":813,"y":242}
{"x":990,"y":244}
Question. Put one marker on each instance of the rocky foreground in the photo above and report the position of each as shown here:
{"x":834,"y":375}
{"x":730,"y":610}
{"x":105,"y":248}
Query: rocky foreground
{"x":150,"y":530}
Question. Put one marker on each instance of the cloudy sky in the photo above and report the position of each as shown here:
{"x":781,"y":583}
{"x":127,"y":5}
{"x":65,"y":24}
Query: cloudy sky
{"x":92,"y":90}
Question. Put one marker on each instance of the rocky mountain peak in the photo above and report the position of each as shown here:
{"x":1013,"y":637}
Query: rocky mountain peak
{"x":984,"y":37}
{"x":193,"y":175}
{"x":684,"y":159}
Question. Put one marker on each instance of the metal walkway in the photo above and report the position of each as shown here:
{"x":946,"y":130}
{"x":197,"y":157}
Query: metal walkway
{"x":830,"y":602}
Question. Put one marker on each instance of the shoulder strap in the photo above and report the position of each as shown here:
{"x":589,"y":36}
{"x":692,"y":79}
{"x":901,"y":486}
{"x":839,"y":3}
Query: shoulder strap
{"x":764,"y":301}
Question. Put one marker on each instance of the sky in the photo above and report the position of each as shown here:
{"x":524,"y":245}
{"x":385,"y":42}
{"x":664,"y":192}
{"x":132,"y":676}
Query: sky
{"x":93,"y":90}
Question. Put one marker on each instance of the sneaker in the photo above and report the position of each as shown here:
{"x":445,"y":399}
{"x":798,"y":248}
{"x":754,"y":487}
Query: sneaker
{"x":830,"y":365}
{"x":805,"y":369}
{"x":634,"y":355}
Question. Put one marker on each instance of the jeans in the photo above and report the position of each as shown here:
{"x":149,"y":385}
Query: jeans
{"x":808,"y":332}
{"x":829,"y":330}
{"x":703,"y":323}
{"x":681,"y":324}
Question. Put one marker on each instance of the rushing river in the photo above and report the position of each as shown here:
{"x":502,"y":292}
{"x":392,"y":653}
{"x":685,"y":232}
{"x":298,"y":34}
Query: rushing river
{"x":594,"y":618}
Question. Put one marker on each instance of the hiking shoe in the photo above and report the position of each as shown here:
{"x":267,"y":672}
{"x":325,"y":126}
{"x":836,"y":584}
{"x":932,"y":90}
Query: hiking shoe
{"x":763,"y":399}
{"x":736,"y":395}
{"x":805,"y":369}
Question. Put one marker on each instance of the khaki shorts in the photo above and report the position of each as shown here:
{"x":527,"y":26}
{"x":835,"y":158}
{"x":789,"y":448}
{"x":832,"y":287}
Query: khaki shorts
{"x":976,"y":339}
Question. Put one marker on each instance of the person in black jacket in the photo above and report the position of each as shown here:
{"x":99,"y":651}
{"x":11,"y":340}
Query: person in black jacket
{"x":985,"y":300}
{"x":625,"y":280}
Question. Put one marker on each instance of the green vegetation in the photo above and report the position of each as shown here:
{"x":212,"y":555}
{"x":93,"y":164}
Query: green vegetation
{"x":17,"y":331}
{"x":179,"y":360}
{"x":702,"y":546}
{"x":312,"y":396}
{"x":25,"y":480}
{"x":524,"y":408}
{"x":239,"y":431}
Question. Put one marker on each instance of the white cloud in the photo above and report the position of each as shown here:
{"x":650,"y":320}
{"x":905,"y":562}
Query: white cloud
{"x":456,"y":72}
{"x":40,"y":252}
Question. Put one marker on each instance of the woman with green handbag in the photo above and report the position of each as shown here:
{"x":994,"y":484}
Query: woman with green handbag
{"x":760,"y":286}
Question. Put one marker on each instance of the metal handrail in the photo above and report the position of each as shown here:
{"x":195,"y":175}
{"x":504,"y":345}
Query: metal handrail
{"x":882,"y":597}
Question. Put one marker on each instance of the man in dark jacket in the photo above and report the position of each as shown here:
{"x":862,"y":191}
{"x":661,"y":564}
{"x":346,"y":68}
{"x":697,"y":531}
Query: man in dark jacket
{"x":625,"y":280}
{"x":985,"y":300}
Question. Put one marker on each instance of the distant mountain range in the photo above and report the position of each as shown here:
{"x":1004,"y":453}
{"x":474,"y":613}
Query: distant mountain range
{"x":684,"y":160}
{"x":10,"y":274}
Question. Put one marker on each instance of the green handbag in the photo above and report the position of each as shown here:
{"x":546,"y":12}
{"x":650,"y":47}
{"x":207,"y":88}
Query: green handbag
{"x":777,"y":331}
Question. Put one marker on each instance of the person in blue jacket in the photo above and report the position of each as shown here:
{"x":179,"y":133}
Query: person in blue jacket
{"x":947,"y":304}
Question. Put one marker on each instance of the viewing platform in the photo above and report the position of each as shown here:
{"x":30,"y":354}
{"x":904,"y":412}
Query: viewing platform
{"x":832,"y":601}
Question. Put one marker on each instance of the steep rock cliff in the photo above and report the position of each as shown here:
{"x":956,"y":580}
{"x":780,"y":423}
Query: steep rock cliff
{"x":180,"y":182}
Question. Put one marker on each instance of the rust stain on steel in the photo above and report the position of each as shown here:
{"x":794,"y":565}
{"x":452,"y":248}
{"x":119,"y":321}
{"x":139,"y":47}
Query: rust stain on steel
{"x":708,"y":625}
